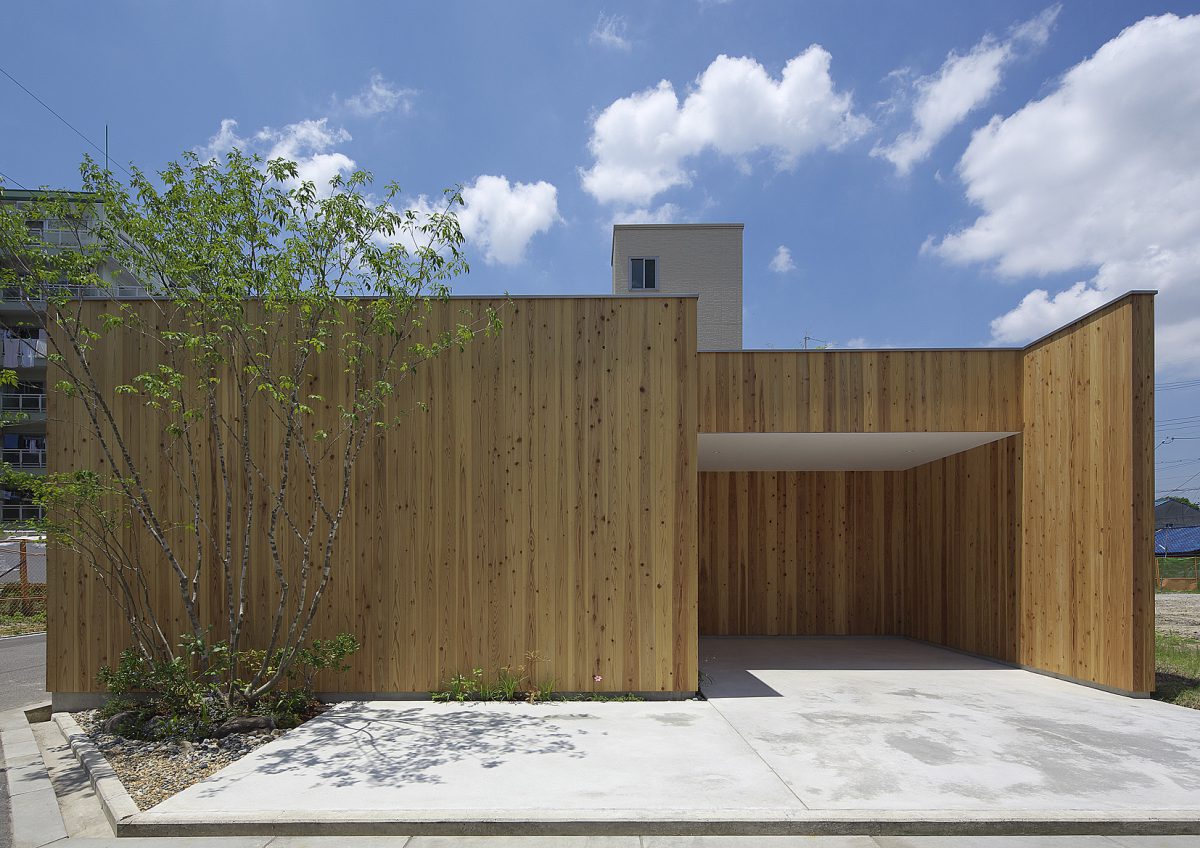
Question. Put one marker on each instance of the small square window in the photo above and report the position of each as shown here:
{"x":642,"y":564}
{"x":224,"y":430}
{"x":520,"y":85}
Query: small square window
{"x":643,"y":273}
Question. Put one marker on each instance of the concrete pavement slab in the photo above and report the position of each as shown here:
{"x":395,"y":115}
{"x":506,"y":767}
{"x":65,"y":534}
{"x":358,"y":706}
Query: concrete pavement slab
{"x":892,"y":724}
{"x":181,"y":842}
{"x":35,"y":818}
{"x":524,"y":842}
{"x":758,"y":842}
{"x":996,"y":842}
{"x":436,"y":759}
{"x":340,"y":842}
{"x":77,"y":802}
{"x":825,"y":737}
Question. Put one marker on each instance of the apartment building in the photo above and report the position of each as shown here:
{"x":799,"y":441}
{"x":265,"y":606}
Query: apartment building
{"x":680,"y":259}
{"x":23,"y":349}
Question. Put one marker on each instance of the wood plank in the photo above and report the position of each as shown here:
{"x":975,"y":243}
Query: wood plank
{"x":546,"y":501}
{"x":849,"y":391}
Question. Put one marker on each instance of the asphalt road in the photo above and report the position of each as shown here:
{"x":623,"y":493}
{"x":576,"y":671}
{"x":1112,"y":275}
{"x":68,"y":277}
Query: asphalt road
{"x":22,"y":682}
{"x":22,"y":671}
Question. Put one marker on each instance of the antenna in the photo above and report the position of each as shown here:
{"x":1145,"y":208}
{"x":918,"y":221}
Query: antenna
{"x":106,"y":147}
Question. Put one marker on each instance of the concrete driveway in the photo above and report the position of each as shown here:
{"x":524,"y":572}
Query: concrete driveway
{"x":891,"y":724}
{"x":798,"y":735}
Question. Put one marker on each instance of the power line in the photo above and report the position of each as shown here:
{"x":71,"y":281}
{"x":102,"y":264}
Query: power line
{"x":1180,"y":487}
{"x":69,"y":125}
{"x":9,"y":179}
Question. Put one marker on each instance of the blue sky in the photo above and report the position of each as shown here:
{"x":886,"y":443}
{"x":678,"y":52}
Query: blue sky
{"x":926,"y":165}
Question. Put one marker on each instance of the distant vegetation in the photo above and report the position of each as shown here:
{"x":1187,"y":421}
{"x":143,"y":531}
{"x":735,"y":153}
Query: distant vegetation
{"x":1177,"y":667}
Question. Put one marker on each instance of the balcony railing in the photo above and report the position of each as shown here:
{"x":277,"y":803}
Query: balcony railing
{"x":119,"y":292}
{"x":25,"y":457}
{"x":28,"y":403}
{"x":19,"y":513}
{"x":24,"y":353}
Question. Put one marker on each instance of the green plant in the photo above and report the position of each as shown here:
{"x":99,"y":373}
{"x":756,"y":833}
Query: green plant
{"x":541,"y":692}
{"x":462,"y":687}
{"x":601,"y":697}
{"x":512,"y":683}
{"x":508,"y":683}
{"x":1177,"y":667}
{"x":185,"y":696}
{"x":289,"y":707}
{"x":256,"y":280}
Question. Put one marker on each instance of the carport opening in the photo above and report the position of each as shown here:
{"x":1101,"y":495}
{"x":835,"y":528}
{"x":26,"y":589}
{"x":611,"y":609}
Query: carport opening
{"x":814,"y":538}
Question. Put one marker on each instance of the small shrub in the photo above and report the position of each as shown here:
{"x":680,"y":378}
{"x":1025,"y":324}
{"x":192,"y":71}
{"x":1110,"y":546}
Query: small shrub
{"x":515,"y":683}
{"x":508,"y":683}
{"x":462,"y":687}
{"x":187,"y":698}
{"x":541,"y":692}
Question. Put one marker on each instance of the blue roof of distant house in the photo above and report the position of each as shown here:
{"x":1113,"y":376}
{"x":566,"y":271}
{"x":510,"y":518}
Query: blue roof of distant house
{"x":1176,"y":541}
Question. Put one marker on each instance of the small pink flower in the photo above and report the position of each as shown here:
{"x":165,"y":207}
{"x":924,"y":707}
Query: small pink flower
{"x":597,"y":678}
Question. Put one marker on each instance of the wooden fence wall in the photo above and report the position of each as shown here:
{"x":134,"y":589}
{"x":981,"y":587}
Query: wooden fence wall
{"x":1087,"y":587}
{"x":800,"y":553}
{"x":961,"y":563}
{"x":550,"y":501}
{"x":547,"y":501}
{"x":1036,"y":549}
{"x":846,"y":391}
{"x":931,"y":552}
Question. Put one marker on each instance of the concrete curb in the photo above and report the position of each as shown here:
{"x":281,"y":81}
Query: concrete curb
{"x":764,"y":822}
{"x":36,"y":818}
{"x":117,"y":804}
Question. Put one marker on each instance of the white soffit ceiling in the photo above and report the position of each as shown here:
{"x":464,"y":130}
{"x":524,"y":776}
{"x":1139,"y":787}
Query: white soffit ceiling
{"x":832,"y":451}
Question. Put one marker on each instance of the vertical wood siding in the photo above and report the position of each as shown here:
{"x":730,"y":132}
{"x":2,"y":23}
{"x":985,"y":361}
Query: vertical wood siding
{"x":550,"y":501}
{"x":546,"y":501}
{"x":931,"y":552}
{"x":888,"y":391}
{"x":1088,"y":492}
{"x":1037,"y":549}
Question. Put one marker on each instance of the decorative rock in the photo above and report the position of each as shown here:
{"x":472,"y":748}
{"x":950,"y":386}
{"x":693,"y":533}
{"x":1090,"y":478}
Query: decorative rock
{"x":110,"y":725}
{"x":154,"y":727}
{"x":245,"y":724}
{"x":153,"y":771}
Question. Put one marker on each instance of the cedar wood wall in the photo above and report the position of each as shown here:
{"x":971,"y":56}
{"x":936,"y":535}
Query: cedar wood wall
{"x":485,"y":532}
{"x":1036,"y":549}
{"x":547,"y":501}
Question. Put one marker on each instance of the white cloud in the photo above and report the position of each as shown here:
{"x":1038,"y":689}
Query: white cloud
{"x":609,"y":32}
{"x":666,"y":213}
{"x":222,"y":141}
{"x":941,"y":101}
{"x":498,"y":217}
{"x":1103,"y":174}
{"x":379,"y":96}
{"x":1040,"y":312}
{"x":641,"y":143}
{"x":781,"y":262}
{"x":307,"y":143}
{"x":501,"y":218}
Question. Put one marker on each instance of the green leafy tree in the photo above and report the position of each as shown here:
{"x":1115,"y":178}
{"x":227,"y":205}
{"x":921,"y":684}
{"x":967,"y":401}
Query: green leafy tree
{"x":258,"y":281}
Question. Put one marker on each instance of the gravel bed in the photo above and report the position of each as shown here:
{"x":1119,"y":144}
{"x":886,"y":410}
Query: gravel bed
{"x":154,"y":771}
{"x":1178,"y":612}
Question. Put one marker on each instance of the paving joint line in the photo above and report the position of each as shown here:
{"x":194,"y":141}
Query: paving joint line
{"x":754,"y":750}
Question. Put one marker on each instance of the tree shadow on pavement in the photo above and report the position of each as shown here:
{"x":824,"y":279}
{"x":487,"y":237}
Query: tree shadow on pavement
{"x":360,"y":743}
